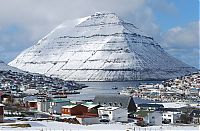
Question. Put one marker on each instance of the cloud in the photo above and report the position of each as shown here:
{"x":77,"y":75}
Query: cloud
{"x":187,"y":36}
{"x":39,"y":17}
{"x":163,"y":6}
{"x":183,"y":42}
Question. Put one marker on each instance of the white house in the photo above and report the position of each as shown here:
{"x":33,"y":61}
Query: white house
{"x":43,"y":106}
{"x":56,"y":105}
{"x":113,"y":113}
{"x":52,"y":106}
{"x":171,"y":117}
{"x":154,"y":118}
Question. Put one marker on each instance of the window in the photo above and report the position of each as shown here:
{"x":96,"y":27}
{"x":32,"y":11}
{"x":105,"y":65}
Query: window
{"x":153,"y":117}
{"x":110,"y":104}
{"x":115,"y":104}
{"x":110,"y":112}
{"x":120,"y":104}
{"x":169,"y":115}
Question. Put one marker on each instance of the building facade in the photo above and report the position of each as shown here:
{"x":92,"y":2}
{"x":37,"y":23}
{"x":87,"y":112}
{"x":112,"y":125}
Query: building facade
{"x":113,"y":113}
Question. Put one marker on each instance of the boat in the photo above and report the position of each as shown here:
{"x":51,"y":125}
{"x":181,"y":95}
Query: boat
{"x":114,"y":88}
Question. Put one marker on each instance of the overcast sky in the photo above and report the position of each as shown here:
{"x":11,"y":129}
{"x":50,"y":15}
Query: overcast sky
{"x":173,"y":23}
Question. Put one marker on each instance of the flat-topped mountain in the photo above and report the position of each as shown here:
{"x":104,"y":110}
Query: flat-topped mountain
{"x":100,"y":47}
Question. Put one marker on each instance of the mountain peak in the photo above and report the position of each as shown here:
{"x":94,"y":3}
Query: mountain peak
{"x":104,"y":14}
{"x":100,"y":18}
{"x":100,"y":47}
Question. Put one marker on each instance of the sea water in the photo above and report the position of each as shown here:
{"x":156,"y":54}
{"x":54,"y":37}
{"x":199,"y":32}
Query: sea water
{"x":97,"y":88}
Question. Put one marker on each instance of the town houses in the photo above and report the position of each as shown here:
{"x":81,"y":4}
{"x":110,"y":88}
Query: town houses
{"x":183,"y":89}
{"x":34,"y":97}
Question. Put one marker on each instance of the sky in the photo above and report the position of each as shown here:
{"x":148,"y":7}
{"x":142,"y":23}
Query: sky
{"x":173,"y":23}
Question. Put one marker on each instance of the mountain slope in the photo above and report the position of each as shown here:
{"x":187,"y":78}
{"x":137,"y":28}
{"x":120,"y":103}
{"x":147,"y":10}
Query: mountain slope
{"x":5,"y":67}
{"x":101,"y":47}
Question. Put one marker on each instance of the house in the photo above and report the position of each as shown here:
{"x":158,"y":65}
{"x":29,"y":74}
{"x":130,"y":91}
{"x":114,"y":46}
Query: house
{"x":56,"y":105}
{"x":5,"y":98}
{"x":30,"y":102}
{"x":92,"y":108}
{"x":154,"y":118}
{"x":195,"y":115}
{"x":150,"y":107}
{"x":43,"y":106}
{"x":74,"y":109}
{"x":52,"y":106}
{"x":113,"y":113}
{"x":122,"y":101}
{"x":1,"y":113}
{"x":170,"y":117}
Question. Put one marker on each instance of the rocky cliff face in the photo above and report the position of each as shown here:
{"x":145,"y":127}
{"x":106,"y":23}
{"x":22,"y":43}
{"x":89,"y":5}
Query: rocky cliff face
{"x":101,"y":47}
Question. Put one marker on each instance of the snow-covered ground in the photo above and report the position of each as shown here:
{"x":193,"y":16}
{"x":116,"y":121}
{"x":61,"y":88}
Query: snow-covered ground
{"x":61,"y":126}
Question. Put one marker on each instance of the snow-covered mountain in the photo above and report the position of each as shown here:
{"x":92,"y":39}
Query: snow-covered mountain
{"x":100,"y":47}
{"x":5,"y":67}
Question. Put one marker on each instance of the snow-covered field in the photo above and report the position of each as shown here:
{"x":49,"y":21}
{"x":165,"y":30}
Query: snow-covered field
{"x":61,"y":126}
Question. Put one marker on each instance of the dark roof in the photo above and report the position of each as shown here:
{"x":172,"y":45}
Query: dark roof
{"x":167,"y":109}
{"x":116,"y":100}
{"x":195,"y":113}
{"x":150,"y":105}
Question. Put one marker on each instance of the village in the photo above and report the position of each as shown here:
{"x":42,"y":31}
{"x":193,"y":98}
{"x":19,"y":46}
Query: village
{"x":40,"y":98}
{"x":184,"y":89}
{"x":20,"y":84}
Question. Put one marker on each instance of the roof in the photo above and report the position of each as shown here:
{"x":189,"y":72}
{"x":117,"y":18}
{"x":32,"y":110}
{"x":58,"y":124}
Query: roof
{"x":195,"y":113}
{"x":108,"y":108}
{"x":69,"y":106}
{"x":172,"y":113}
{"x":2,"y":105}
{"x":32,"y":101}
{"x":167,"y":109}
{"x":150,"y":105}
{"x":90,"y":104}
{"x":118,"y":99}
{"x":67,"y":117}
{"x":174,"y":104}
